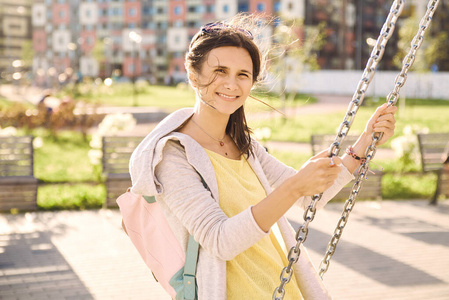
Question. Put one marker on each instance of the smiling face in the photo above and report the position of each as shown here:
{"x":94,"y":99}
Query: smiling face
{"x":225,"y":79}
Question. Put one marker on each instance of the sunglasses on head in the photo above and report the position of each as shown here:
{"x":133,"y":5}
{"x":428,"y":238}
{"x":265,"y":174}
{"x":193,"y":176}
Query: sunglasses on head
{"x":217,"y":26}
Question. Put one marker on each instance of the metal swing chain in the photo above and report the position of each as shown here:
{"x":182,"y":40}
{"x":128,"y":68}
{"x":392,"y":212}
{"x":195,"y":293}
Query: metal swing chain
{"x":367,"y":76}
{"x":377,"y":136}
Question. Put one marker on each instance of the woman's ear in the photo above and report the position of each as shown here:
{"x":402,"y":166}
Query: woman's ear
{"x":193,"y":79}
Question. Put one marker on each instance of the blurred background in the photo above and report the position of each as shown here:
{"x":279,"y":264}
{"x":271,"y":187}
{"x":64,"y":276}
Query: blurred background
{"x":49,"y":44}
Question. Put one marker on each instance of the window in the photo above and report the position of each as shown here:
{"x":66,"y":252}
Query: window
{"x":62,"y":14}
{"x":243,"y":7}
{"x":201,"y":9}
{"x":261,"y":7}
{"x":277,"y":6}
{"x":178,"y":10}
{"x":132,"y":12}
{"x":116,"y":11}
{"x":226,"y":8}
{"x":147,"y":10}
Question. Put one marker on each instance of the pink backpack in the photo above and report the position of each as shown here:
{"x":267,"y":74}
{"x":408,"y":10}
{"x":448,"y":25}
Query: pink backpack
{"x":149,"y":231}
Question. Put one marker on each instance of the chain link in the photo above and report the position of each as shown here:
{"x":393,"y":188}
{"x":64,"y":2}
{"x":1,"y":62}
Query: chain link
{"x":377,"y":136}
{"x":368,"y":74}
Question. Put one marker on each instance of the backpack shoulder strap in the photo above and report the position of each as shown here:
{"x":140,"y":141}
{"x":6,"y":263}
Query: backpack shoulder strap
{"x":189,"y":275}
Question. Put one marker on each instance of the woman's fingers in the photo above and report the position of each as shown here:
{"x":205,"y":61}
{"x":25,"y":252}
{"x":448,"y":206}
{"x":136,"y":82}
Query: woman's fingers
{"x":383,"y":120}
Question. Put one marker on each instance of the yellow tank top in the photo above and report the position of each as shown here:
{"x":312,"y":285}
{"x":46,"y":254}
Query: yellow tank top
{"x":254,"y":273}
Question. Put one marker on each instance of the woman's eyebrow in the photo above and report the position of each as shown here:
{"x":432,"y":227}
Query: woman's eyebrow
{"x":245,"y":71}
{"x":226,"y":68}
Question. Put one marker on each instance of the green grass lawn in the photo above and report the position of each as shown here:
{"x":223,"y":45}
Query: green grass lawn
{"x":63,"y":158}
{"x":170,"y":98}
{"x":300,"y":128}
{"x":157,"y":96}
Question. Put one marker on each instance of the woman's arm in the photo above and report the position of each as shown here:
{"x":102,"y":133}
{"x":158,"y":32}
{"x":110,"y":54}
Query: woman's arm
{"x":185,"y":195}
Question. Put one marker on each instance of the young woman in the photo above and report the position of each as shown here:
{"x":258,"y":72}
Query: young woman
{"x":238,"y":221}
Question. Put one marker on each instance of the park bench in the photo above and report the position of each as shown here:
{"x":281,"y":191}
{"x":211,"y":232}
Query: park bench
{"x":371,"y":187}
{"x":117,"y":151}
{"x":18,"y":186}
{"x":432,"y":146}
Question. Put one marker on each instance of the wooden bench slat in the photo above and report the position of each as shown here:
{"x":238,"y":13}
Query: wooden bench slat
{"x":18,"y":186}
{"x":371,"y":188}
{"x":432,"y":146}
{"x":117,"y":151}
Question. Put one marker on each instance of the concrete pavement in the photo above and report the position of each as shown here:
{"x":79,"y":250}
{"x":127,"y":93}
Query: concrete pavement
{"x":389,"y":250}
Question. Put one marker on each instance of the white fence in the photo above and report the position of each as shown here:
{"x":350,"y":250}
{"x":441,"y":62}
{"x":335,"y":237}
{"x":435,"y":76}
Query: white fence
{"x":418,"y":85}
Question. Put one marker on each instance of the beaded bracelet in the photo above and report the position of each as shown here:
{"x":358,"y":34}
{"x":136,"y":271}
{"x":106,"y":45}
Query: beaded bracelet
{"x":350,"y":152}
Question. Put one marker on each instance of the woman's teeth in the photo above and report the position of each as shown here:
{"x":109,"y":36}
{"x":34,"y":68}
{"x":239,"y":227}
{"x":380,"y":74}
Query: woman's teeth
{"x":226,"y":96}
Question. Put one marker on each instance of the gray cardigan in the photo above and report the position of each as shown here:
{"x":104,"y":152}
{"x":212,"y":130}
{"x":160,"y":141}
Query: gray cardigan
{"x":166,"y":165}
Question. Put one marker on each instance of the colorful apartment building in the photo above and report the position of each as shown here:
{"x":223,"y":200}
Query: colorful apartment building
{"x":149,"y":38}
{"x":15,"y":35}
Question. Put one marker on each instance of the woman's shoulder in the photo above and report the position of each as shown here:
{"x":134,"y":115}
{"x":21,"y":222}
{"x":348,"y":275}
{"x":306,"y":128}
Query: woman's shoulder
{"x":170,"y":145}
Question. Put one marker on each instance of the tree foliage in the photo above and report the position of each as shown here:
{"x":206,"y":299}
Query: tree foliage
{"x":432,"y":51}
{"x":295,"y":50}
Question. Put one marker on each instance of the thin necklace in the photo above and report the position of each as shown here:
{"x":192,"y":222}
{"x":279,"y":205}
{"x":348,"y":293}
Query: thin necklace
{"x":218,"y":140}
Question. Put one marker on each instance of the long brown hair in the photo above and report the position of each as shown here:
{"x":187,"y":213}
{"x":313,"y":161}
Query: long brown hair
{"x":236,"y":33}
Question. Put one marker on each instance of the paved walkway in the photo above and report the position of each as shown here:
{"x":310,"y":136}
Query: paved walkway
{"x":389,"y":250}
